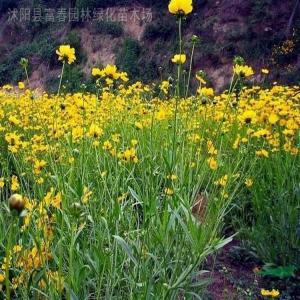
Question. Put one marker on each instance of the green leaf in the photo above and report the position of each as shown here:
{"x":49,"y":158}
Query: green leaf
{"x":126,"y":248}
{"x":279,"y":272}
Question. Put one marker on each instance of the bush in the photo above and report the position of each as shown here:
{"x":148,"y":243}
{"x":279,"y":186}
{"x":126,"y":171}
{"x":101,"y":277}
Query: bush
{"x":161,"y":29}
{"x":128,"y":56}
{"x":115,"y":29}
{"x":74,"y":39}
{"x":270,"y":212}
{"x":10,"y":70}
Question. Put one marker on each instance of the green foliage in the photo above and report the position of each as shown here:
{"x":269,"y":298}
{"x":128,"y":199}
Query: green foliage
{"x":115,"y":29}
{"x":260,"y":11}
{"x":72,"y":79}
{"x":279,"y":272}
{"x":269,"y":214}
{"x":74,"y":40}
{"x":128,"y":56}
{"x":10,"y":71}
{"x":164,"y":29}
{"x":134,"y":60}
{"x":42,"y":48}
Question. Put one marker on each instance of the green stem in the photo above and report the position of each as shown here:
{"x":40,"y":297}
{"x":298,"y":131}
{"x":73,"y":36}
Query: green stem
{"x":179,"y":84}
{"x":178,"y":96}
{"x":27,"y":76}
{"x":8,"y":254}
{"x":190,"y":70}
{"x":61,"y":77}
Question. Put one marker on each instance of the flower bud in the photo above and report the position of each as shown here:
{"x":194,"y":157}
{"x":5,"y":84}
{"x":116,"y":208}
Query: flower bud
{"x":195,"y":39}
{"x":16,"y":202}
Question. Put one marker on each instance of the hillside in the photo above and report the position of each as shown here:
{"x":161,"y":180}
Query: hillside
{"x":140,"y":38}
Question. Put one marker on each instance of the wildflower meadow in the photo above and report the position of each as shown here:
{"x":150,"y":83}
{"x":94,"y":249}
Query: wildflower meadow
{"x":131,"y":191}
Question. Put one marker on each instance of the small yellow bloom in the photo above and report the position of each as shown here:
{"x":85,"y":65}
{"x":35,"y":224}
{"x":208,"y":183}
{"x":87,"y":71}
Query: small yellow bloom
{"x":40,"y":180}
{"x":96,"y":72}
{"x":213,"y":164}
{"x":243,"y":71}
{"x":179,"y":59}
{"x":273,"y":293}
{"x":2,"y":278}
{"x":138,"y":125}
{"x":179,"y":7}
{"x":17,"y":249}
{"x":200,"y":79}
{"x":2,"y":182}
{"x":134,"y":142}
{"x":222,"y":181}
{"x":14,"y":183}
{"x":265,"y":71}
{"x":66,"y":54}
{"x":207,"y":92}
{"x":172,"y":177}
{"x":21,"y":85}
{"x":273,"y":119}
{"x":248,"y":182}
{"x":169,"y":191}
{"x":86,"y":195}
{"x":262,"y":153}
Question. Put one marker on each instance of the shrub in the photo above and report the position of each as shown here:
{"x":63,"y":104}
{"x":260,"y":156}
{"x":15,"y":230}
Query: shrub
{"x":74,"y":39}
{"x":115,"y":29}
{"x":270,"y":211}
{"x":10,"y":72}
{"x":161,"y":29}
{"x":128,"y":56}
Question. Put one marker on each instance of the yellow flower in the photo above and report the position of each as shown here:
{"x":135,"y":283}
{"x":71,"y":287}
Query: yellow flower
{"x":265,"y":71}
{"x":213,"y":164}
{"x":178,"y":7}
{"x":172,"y":177}
{"x":38,"y":166}
{"x":262,"y":153}
{"x":200,"y":78}
{"x":40,"y":181}
{"x":21,"y":85}
{"x":134,"y":142}
{"x":66,"y":54}
{"x":179,"y":59}
{"x":14,"y":183}
{"x":96,"y":72}
{"x":243,"y":71}
{"x":222,"y":181}
{"x":2,"y":278}
{"x":138,"y":125}
{"x":273,"y":119}
{"x":169,"y":191}
{"x":86,"y":195}
{"x":273,"y":293}
{"x":111,"y":71}
{"x":248,"y":117}
{"x":56,"y":201}
{"x":207,"y":92}
{"x":2,"y":182}
{"x":17,"y":248}
{"x":248,"y":182}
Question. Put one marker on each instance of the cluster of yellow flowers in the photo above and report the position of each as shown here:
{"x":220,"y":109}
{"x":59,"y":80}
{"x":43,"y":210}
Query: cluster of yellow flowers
{"x":272,"y":294}
{"x":110,"y":73}
{"x":46,"y":133}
